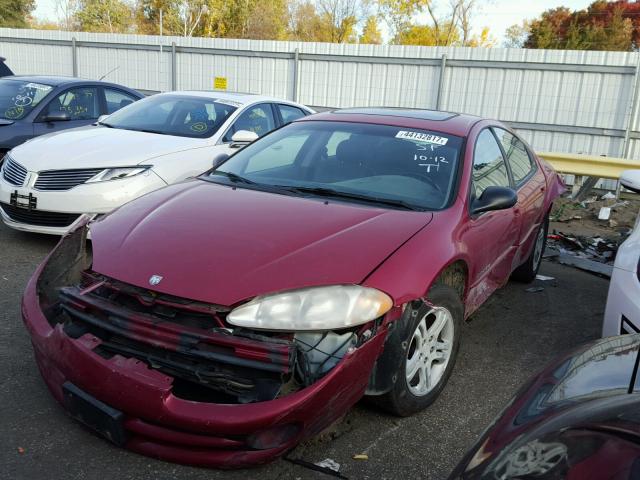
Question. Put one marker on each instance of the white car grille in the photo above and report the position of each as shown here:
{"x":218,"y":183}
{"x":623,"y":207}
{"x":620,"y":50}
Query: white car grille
{"x":13,"y":172}
{"x":57,"y":180}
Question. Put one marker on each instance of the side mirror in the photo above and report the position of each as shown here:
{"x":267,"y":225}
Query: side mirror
{"x":494,"y":198}
{"x":242,"y":138}
{"x":630,"y":179}
{"x":57,"y":116}
{"x":101,"y":119}
{"x":219,"y":159}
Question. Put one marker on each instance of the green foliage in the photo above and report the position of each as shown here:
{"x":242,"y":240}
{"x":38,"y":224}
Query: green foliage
{"x":111,"y":16}
{"x":427,"y":35}
{"x":15,"y":13}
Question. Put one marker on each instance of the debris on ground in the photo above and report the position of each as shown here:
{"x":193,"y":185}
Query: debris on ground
{"x":587,"y":234}
{"x":20,"y":450}
{"x":544,"y":278}
{"x":361,"y":456}
{"x":534,"y":289}
{"x":330,"y":464}
{"x":316,"y":467}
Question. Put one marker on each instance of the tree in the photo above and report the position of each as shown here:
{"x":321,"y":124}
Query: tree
{"x":15,"y":13}
{"x":370,"y":32}
{"x":304,"y":23}
{"x":516,"y":35}
{"x":449,"y":22}
{"x":427,"y":35}
{"x":147,"y":17}
{"x":341,"y":18}
{"x":601,"y":26}
{"x":112,"y":16}
{"x":66,"y":12}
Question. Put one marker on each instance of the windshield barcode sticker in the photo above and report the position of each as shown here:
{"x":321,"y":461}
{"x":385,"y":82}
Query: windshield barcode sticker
{"x":422,"y":137}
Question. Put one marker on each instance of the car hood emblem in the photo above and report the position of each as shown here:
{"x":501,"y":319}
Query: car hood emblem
{"x":155,"y":279}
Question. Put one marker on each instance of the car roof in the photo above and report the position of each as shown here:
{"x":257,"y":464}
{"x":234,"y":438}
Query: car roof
{"x":56,"y":80}
{"x":241,"y":98}
{"x":449,"y":122}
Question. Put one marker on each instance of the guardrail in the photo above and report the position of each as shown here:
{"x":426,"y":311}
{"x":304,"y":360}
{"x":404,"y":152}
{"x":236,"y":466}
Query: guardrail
{"x":589,"y":165}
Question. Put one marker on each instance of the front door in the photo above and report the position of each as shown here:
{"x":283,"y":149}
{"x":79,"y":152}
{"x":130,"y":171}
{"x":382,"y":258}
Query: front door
{"x":491,"y":237}
{"x":82,"y":104}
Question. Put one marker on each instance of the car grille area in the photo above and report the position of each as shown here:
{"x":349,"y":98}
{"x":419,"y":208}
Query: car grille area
{"x":13,"y":172}
{"x":58,"y":180}
{"x":39,"y":218}
{"x":186,"y":340}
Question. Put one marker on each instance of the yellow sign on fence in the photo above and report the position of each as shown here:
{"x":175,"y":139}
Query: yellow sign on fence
{"x":220,"y":83}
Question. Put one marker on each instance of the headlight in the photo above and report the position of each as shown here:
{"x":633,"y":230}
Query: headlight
{"x":116,"y":173}
{"x":318,"y":308}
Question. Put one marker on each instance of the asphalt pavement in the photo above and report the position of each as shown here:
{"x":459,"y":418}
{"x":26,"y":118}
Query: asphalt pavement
{"x":514,"y":334}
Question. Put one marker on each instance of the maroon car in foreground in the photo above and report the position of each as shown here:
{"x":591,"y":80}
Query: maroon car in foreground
{"x":577,"y":419}
{"x":222,"y":320}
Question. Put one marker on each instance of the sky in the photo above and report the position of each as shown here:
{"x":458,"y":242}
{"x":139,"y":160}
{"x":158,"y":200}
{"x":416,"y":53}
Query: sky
{"x":498,"y":15}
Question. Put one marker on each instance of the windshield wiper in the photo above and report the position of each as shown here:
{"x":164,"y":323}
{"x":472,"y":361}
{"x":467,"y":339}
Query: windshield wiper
{"x":108,"y":125}
{"x":329,"y":192}
{"x":234,"y":177}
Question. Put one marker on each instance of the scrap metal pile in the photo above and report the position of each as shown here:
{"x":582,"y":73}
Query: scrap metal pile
{"x":587,"y":234}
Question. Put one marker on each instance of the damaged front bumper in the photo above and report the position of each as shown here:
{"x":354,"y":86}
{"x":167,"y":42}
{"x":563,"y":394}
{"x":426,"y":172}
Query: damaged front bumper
{"x":131,"y":372}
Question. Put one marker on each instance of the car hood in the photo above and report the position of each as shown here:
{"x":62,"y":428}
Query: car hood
{"x":224,"y":245}
{"x":94,"y":146}
{"x":584,"y":390}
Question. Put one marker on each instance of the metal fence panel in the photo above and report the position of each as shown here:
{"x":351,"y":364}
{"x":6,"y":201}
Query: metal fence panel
{"x":563,"y":101}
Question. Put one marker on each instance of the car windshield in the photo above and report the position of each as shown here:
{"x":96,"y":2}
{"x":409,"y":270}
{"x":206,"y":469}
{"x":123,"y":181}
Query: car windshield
{"x":364,"y":163}
{"x":178,"y":115}
{"x":18,"y":97}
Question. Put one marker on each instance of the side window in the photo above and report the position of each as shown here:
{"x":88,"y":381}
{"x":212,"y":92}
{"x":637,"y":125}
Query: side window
{"x":290,"y":113}
{"x":116,"y":99}
{"x":517,"y":155}
{"x":281,"y":154}
{"x":258,"y":119}
{"x":489,"y":168}
{"x":80,"y":103}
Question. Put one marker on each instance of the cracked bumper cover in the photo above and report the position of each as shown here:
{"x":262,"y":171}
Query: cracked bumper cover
{"x":161,"y":425}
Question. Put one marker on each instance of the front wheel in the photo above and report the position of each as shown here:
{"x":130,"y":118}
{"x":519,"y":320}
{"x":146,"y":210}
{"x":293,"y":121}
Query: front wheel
{"x":527,"y":272}
{"x":427,"y":354}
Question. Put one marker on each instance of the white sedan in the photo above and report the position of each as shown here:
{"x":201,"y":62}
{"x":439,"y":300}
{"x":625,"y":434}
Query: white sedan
{"x":48,"y":183}
{"x":622,"y":314}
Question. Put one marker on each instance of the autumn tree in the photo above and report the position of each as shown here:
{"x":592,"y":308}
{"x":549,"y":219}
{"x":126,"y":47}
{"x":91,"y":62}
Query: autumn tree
{"x":111,"y":16}
{"x":304,"y":24}
{"x":601,"y":26}
{"x":449,"y":22}
{"x":15,"y":13}
{"x":371,"y":31}
{"x":340,"y":18}
{"x":147,"y":17}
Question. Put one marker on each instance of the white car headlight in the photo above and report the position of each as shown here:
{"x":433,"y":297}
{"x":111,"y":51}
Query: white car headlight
{"x":116,"y":173}
{"x":312,"y":309}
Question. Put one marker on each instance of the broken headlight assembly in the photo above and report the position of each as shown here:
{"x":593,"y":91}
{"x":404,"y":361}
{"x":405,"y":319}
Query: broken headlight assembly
{"x":312,"y":309}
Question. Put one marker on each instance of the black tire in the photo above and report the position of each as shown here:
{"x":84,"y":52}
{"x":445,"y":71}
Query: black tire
{"x":400,"y":400}
{"x":526,"y":273}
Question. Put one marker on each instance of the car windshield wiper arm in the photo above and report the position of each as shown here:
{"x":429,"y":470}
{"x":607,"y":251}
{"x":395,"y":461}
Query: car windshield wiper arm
{"x":329,"y":192}
{"x":104,"y":124}
{"x":234,"y":177}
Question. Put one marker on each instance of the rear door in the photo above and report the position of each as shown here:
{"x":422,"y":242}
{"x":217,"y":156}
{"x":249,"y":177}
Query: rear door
{"x":81,"y":103}
{"x":530,"y":184}
{"x":115,"y":99}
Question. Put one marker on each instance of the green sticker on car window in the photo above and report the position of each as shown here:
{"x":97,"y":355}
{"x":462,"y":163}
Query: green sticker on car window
{"x":199,"y":127}
{"x":14,"y":112}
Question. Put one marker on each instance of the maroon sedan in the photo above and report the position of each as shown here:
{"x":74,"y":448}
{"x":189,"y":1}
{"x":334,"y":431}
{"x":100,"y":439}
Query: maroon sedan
{"x":222,"y":320}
